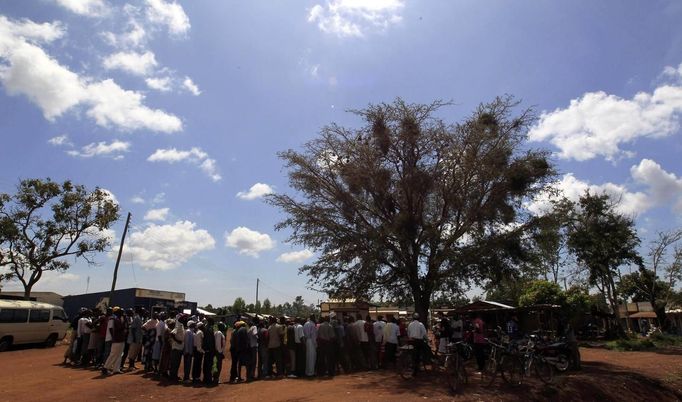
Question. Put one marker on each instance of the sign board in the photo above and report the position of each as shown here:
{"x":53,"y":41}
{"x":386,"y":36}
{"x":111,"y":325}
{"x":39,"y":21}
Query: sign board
{"x":160,"y":294}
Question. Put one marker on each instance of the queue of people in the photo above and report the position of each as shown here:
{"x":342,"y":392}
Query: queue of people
{"x":192,"y":349}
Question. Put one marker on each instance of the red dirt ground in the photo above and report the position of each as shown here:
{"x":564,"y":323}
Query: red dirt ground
{"x":36,"y":375}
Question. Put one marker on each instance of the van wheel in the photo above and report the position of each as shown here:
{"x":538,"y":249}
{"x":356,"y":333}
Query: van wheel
{"x":51,"y":341}
{"x":5,"y":343}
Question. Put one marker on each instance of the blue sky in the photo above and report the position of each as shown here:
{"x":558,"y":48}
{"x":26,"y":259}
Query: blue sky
{"x":178,"y":109}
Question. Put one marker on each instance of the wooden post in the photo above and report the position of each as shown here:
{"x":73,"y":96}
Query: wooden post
{"x":118,"y":260}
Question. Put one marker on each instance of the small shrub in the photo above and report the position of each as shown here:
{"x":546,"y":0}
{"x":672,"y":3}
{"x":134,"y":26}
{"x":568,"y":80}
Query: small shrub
{"x":630,"y":344}
{"x":666,"y":340}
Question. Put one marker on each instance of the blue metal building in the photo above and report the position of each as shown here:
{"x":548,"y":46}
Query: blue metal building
{"x":151,"y":300}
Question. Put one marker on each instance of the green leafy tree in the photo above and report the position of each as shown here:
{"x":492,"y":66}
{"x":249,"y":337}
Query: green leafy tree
{"x":44,"y":223}
{"x":267,"y":306}
{"x":239,"y":306}
{"x":542,"y":292}
{"x":603,"y":240}
{"x":410,"y":204}
{"x":507,"y":289}
{"x":655,"y":281}
{"x":578,"y":301}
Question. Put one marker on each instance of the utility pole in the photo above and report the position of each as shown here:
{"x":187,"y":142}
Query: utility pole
{"x":257,"y":306}
{"x":118,"y":260}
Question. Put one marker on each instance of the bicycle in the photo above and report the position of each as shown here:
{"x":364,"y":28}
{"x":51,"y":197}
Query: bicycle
{"x":453,"y":366}
{"x":522,"y":358}
{"x":405,"y":361}
{"x":497,"y":362}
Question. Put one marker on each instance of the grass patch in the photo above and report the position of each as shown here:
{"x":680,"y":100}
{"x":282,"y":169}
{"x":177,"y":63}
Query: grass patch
{"x":630,"y":344}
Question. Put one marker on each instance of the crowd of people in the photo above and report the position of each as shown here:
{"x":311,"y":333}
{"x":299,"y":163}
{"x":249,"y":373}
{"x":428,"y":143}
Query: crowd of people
{"x":192,"y":348}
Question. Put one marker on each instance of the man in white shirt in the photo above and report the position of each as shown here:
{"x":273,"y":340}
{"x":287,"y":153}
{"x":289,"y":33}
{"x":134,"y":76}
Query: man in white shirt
{"x":177,"y":340}
{"x":219,"y":353}
{"x":364,"y":340}
{"x":198,"y":358}
{"x":299,"y":340}
{"x":253,"y":348}
{"x":83,"y":334}
{"x":379,"y":326}
{"x":310,"y":333}
{"x":391,"y":334}
{"x":416,"y":333}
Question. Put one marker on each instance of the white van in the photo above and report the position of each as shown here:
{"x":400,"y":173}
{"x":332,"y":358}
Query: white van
{"x":31,"y":322}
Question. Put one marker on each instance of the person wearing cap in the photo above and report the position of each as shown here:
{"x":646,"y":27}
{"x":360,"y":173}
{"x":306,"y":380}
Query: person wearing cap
{"x":118,"y":336}
{"x":416,"y":333}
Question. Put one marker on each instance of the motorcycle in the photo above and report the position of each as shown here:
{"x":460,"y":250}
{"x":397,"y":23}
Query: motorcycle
{"x":557,"y":354}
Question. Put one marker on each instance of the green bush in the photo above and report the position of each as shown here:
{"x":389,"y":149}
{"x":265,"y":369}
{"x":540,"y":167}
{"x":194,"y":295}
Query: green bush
{"x":666,"y":340}
{"x":630,"y":344}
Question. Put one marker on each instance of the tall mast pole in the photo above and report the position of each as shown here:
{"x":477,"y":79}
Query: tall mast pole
{"x":257,"y":283}
{"x":118,"y":260}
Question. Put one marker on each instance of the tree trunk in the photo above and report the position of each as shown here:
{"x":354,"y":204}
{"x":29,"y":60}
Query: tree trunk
{"x":27,"y":292}
{"x":422,"y":303}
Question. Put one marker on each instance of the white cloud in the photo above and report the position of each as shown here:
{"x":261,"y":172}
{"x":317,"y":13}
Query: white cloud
{"x":191,"y":86}
{"x":661,"y":188}
{"x":137,"y":200}
{"x":248,"y":242}
{"x":295,"y":256}
{"x":173,"y":155}
{"x":256,"y":191}
{"x":159,"y":214}
{"x":631,"y":203}
{"x":169,"y":14}
{"x":355,"y":17}
{"x":131,"y":62}
{"x":89,"y":8}
{"x":29,"y":71}
{"x":134,"y":36}
{"x":194,"y":156}
{"x":209,"y":167}
{"x":164,"y":247}
{"x":59,"y":140}
{"x":599,"y":124}
{"x":115,"y":149}
{"x":162,"y":84}
{"x":112,"y":104}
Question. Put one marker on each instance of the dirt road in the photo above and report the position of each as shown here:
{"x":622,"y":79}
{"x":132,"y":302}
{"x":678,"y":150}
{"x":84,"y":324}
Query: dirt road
{"x":37,"y":375}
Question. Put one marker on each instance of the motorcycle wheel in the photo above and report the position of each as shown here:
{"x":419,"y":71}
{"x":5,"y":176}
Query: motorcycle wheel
{"x":562,"y":363}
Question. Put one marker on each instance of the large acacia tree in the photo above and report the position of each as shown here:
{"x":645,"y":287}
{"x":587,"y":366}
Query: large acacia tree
{"x":408,"y":204}
{"x":44,"y":223}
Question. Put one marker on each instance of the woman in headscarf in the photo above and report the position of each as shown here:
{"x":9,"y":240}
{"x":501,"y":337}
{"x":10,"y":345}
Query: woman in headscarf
{"x":148,"y":341}
{"x":164,"y":361}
